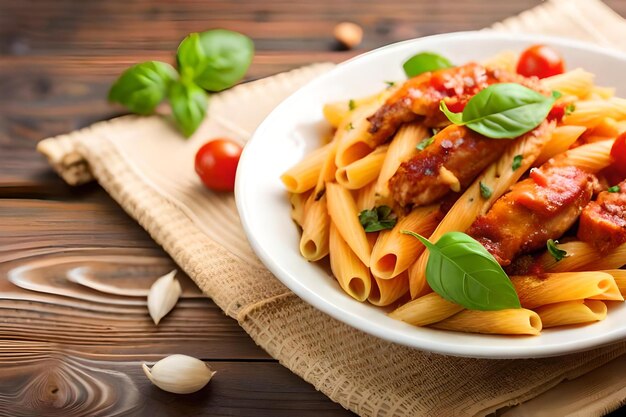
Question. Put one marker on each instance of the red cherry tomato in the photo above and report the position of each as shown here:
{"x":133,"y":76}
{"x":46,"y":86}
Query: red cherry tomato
{"x":216,"y":164}
{"x":540,"y":61}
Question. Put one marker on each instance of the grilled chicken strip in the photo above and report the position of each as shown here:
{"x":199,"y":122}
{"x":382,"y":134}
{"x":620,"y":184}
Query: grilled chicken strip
{"x":420,"y":96}
{"x":536,"y":209}
{"x":603,"y":222}
{"x":456,"y":156}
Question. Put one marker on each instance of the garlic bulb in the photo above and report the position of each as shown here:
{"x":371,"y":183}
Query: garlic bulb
{"x":180,"y":374}
{"x":163,"y":296}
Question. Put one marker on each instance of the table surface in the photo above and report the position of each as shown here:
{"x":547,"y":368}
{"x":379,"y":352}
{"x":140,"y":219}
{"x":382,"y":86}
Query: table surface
{"x":72,"y":330}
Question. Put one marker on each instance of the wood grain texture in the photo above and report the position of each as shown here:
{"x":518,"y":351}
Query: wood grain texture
{"x":74,"y":267}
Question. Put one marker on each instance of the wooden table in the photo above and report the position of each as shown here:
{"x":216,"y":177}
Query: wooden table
{"x":72,"y":336}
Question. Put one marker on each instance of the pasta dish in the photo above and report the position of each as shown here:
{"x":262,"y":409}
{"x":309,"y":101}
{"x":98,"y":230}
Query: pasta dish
{"x":485,"y":197}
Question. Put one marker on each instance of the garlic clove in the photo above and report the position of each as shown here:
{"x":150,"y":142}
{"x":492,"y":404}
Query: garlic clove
{"x":163,"y":296}
{"x":180,"y":374}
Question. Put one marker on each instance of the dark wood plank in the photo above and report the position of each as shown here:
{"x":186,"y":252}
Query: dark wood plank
{"x":52,"y":382}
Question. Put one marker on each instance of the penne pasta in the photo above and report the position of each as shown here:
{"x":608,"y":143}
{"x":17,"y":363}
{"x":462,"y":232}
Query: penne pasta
{"x":388,"y":291}
{"x":352,"y":275}
{"x":428,"y":309}
{"x":571,"y":312}
{"x":513,"y":321}
{"x":601,"y":93}
{"x":366,"y":197}
{"x":394,"y":251}
{"x":619,"y":275}
{"x":363,"y":171}
{"x":577,"y":82}
{"x":303,"y":176}
{"x":342,"y":210}
{"x":336,"y":112}
{"x":590,"y":113}
{"x":562,"y":138}
{"x":328,"y":168}
{"x":315,"y":231}
{"x":401,"y":148}
{"x":506,"y":60}
{"x":583,"y":256}
{"x":298,"y":206}
{"x":592,"y":157}
{"x":535,"y":291}
{"x":499,"y":177}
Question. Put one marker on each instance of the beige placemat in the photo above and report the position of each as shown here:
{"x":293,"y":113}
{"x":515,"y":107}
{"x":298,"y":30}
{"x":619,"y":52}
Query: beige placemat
{"x":146,"y":167}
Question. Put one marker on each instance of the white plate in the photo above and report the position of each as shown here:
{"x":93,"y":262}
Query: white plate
{"x":293,"y":129}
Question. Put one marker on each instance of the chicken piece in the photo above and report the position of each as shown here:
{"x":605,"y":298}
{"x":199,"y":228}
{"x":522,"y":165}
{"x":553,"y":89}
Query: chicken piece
{"x":456,"y":156}
{"x":420,"y":96}
{"x":603,"y":222}
{"x":536,"y":209}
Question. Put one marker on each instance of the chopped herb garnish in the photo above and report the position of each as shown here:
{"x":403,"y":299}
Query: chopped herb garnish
{"x":350,"y":126}
{"x":351,"y":105}
{"x":390,"y":83}
{"x":569,"y":109}
{"x":485,"y":191}
{"x":613,"y":189}
{"x":378,"y":218}
{"x":424,"y":143}
{"x":517,"y":162}
{"x":556,"y":253}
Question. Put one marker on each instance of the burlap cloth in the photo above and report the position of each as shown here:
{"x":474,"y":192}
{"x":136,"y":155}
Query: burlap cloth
{"x":147,"y":168}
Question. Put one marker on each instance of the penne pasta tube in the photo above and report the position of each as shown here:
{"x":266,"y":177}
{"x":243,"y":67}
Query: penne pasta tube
{"x":598,"y":92}
{"x":608,"y":127}
{"x":363,"y":171}
{"x":583,"y":256}
{"x":512,"y":321}
{"x":571,"y":312}
{"x":388,"y":291}
{"x":315,"y":231}
{"x":499,"y":177}
{"x":342,"y":210}
{"x":590,"y":113}
{"x":428,"y":309}
{"x":535,"y":291}
{"x":337,"y":111}
{"x":298,"y":206}
{"x":328,"y":169}
{"x":303,"y":176}
{"x":562,"y":138}
{"x":366,"y":197}
{"x":352,"y":275}
{"x":394,"y":251}
{"x":592,"y":157}
{"x":401,"y":148}
{"x":619,"y":275}
{"x":577,"y":82}
{"x":355,"y":141}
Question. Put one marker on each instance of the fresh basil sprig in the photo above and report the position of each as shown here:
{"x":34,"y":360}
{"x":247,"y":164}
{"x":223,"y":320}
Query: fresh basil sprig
{"x":213,"y":60}
{"x":378,"y":218}
{"x":462,"y":271}
{"x":424,"y":62}
{"x":503,"y":111}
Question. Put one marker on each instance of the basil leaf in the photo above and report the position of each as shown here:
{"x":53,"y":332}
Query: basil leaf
{"x":379,"y":218}
{"x":503,"y":111}
{"x":351,"y":105}
{"x":556,"y":253}
{"x":425,"y":62}
{"x":424,"y":143}
{"x":217,"y":59}
{"x":189,"y":104}
{"x":613,"y":189}
{"x":462,"y":271}
{"x":517,"y":162}
{"x":143,"y":86}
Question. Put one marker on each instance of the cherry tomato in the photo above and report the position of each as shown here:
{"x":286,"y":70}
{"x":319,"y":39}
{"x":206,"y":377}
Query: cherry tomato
{"x":540,"y":61}
{"x":618,"y":152}
{"x":216,"y":164}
